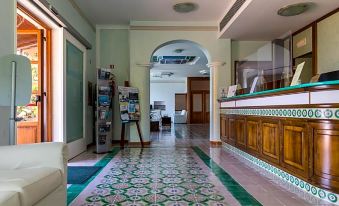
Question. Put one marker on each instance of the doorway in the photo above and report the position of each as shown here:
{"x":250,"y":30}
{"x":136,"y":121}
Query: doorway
{"x":179,"y":80}
{"x":199,"y":100}
{"x":33,"y":41}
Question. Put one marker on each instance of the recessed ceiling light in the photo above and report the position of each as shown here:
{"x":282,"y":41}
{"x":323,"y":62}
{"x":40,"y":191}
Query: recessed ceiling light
{"x":204,"y":72}
{"x":185,"y":7}
{"x":179,"y":50}
{"x":295,"y":9}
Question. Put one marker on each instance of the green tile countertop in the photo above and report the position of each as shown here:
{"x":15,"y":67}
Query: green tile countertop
{"x":300,"y":86}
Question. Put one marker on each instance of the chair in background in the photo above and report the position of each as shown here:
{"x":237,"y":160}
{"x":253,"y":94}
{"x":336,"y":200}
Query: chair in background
{"x":180,"y":117}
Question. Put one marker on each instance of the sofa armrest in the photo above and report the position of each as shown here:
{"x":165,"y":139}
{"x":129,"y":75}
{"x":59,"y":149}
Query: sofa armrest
{"x":34,"y":155}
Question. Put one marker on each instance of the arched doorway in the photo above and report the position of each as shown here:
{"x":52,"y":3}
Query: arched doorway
{"x":179,"y":89}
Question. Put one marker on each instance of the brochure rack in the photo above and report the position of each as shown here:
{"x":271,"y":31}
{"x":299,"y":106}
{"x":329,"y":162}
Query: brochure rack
{"x":104,"y":114}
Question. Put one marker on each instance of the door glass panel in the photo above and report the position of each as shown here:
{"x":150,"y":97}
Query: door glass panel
{"x":28,"y":130}
{"x":74,"y":90}
{"x":197,"y":102}
{"x":207,"y":102}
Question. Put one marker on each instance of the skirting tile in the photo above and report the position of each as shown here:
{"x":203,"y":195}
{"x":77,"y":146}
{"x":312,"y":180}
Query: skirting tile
{"x":302,"y":113}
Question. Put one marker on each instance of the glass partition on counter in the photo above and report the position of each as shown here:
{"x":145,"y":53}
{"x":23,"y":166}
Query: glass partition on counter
{"x":271,"y":63}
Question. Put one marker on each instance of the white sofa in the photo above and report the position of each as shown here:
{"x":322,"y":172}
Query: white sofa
{"x":180,"y":117}
{"x":34,"y":174}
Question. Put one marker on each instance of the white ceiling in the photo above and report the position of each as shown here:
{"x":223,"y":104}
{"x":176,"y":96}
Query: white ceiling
{"x":259,"y":20}
{"x":121,"y":12}
{"x":181,"y":72}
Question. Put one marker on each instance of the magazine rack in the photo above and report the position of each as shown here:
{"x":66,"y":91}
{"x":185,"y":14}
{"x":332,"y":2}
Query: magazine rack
{"x":104,"y":117}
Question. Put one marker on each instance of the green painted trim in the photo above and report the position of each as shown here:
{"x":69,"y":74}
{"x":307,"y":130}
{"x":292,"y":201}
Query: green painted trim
{"x":300,"y":86}
{"x":74,"y":190}
{"x":238,"y":192}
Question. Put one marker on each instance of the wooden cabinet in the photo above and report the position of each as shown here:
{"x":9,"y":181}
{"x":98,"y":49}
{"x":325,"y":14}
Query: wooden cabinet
{"x":270,"y":140}
{"x":253,"y":136}
{"x":231,"y":130}
{"x":294,"y":152}
{"x":240,"y":133}
{"x":223,"y":128}
{"x":325,"y":150}
{"x":308,"y":149}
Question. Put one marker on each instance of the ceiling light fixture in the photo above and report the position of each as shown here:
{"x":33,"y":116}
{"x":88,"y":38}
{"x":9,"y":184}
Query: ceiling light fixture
{"x":204,"y":72}
{"x":295,"y":9}
{"x":185,"y":7}
{"x":178,"y":51}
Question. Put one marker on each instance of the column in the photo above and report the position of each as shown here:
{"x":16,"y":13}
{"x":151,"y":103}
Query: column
{"x":140,"y":78}
{"x":214,"y":104}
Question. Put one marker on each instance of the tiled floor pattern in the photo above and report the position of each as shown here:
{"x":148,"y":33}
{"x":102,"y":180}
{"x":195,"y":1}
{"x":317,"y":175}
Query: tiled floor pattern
{"x":156,"y":176}
{"x":264,"y":188}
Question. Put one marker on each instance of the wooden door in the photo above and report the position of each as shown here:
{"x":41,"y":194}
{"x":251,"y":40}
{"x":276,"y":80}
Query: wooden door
{"x":206,"y":107}
{"x":30,"y":117}
{"x":197,"y":107}
{"x":200,"y":105}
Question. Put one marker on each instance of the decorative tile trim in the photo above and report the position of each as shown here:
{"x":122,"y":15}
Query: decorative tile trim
{"x":286,"y":177}
{"x":302,"y":113}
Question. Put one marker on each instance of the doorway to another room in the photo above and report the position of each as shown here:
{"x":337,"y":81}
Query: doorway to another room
{"x":34,"y":41}
{"x":179,"y":91}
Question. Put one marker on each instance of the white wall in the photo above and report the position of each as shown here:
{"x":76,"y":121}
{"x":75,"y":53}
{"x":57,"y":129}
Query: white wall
{"x":165,"y":91}
{"x":7,"y":46}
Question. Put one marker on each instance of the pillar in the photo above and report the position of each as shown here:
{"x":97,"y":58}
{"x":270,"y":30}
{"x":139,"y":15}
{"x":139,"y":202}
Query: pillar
{"x":214,"y":104}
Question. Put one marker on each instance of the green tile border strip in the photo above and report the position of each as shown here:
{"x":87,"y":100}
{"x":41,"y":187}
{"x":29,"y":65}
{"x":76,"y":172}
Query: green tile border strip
{"x":238,"y":192}
{"x":74,"y":190}
{"x":302,"y":113}
{"x":288,"y":178}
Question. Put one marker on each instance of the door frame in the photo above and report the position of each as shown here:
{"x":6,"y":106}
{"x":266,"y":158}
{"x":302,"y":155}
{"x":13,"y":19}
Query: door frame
{"x":78,"y":146}
{"x":41,"y":105}
{"x":47,"y":83}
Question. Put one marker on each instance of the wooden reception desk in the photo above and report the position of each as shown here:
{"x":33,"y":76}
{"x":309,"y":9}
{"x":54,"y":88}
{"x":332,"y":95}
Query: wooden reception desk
{"x":295,"y":129}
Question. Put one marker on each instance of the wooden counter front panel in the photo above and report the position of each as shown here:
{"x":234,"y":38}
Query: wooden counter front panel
{"x":253,"y":136}
{"x":326,"y":155}
{"x":223,"y":128}
{"x":294,"y":152}
{"x":240,"y":133}
{"x":270,"y":140}
{"x":305,"y":148}
{"x":231,"y":131}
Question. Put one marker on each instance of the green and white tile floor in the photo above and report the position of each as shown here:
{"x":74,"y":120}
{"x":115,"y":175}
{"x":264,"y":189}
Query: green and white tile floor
{"x":160,"y":176}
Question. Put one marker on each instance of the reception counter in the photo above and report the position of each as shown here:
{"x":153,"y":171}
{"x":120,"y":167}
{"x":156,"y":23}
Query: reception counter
{"x":293,"y":132}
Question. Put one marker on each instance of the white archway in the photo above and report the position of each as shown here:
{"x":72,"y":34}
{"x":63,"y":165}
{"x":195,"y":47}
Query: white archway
{"x":143,"y":43}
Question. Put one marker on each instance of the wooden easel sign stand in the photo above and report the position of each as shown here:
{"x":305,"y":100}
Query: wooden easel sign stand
{"x":129,"y":110}
{"x":123,"y":129}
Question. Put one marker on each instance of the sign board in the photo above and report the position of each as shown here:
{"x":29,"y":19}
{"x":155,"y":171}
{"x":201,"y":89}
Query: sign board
{"x":231,"y":91}
{"x":129,"y":104}
{"x":296,"y":77}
